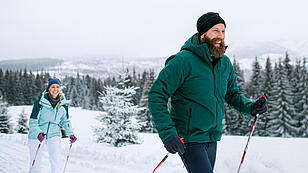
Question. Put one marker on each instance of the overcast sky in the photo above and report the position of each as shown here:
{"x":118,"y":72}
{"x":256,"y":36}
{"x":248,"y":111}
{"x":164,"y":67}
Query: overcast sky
{"x":142,"y":28}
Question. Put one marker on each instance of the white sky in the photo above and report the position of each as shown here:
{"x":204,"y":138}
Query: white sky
{"x":143,"y":28}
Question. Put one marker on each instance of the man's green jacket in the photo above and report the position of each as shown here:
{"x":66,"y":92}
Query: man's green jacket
{"x":198,"y":92}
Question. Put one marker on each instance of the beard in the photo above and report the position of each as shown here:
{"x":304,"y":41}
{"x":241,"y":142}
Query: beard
{"x":216,"y":52}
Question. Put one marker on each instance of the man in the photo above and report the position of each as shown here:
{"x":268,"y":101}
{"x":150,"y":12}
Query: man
{"x":198,"y":79}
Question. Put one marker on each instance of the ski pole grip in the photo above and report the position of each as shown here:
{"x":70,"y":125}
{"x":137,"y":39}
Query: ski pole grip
{"x":182,"y":140}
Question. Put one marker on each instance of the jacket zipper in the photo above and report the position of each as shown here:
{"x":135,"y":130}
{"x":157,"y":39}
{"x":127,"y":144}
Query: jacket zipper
{"x":49,"y":123}
{"x":189,"y":118}
{"x":215,"y":101}
{"x":47,"y":130}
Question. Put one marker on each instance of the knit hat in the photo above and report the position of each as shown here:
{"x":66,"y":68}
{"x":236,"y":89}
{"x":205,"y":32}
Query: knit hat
{"x":207,"y":21}
{"x":53,"y":81}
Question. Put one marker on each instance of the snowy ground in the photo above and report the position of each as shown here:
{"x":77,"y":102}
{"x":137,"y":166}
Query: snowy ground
{"x":274,"y":155}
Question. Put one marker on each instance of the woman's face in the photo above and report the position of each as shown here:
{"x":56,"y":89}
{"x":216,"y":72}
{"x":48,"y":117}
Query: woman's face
{"x":54,"y":90}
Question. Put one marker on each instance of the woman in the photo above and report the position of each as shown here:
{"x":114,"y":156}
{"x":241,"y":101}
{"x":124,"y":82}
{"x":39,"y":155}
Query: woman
{"x":49,"y":110}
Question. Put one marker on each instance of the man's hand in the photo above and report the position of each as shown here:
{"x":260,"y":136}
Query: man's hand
{"x":259,"y":107}
{"x":173,"y":144}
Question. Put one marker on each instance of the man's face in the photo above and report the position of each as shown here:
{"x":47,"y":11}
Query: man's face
{"x":215,"y":39}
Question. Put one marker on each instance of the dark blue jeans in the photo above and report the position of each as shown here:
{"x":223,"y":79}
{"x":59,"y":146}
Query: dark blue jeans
{"x":200,"y":157}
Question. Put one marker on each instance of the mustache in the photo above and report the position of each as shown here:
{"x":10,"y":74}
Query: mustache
{"x":215,"y":40}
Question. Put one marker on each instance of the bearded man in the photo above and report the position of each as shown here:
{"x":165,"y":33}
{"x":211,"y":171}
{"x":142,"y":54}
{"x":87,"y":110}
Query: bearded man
{"x":199,"y":80}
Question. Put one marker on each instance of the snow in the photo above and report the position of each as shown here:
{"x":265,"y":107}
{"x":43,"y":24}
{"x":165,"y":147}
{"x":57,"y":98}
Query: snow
{"x":265,"y":154}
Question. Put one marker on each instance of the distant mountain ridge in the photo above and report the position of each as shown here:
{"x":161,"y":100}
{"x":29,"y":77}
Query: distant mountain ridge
{"x":104,"y":66}
{"x":30,"y":64}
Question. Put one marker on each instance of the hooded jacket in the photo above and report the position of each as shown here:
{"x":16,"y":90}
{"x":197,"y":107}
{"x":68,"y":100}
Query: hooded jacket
{"x":46,"y":119}
{"x":198,"y":92}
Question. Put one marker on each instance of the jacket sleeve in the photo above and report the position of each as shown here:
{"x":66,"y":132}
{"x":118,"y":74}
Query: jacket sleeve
{"x":168,"y":81}
{"x":33,"y":121}
{"x":235,"y":98}
{"x":66,"y":123}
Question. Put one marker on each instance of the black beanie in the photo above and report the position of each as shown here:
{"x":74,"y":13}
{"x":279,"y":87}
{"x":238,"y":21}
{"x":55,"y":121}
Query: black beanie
{"x":207,"y":21}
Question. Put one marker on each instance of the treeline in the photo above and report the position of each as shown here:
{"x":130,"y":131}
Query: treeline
{"x":23,"y":87}
{"x":286,"y":86}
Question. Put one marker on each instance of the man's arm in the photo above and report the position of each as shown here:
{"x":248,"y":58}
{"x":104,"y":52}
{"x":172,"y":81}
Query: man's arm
{"x":166,"y":84}
{"x":235,"y":98}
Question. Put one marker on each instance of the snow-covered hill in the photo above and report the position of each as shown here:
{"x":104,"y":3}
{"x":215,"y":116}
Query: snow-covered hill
{"x":274,"y":155}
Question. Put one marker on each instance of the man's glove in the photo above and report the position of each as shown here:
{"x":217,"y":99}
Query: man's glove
{"x":259,"y":107}
{"x":41,"y":137}
{"x":173,"y":144}
{"x":73,"y":139}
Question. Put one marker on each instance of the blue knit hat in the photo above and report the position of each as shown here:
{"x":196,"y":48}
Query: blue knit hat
{"x":53,"y":81}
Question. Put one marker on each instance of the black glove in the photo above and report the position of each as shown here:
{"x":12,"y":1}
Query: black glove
{"x":259,"y":107}
{"x":173,"y":145}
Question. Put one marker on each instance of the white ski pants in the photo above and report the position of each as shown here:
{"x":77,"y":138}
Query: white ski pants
{"x":54,"y":149}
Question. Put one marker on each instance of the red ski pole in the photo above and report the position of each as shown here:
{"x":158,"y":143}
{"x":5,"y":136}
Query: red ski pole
{"x":166,"y":156}
{"x":250,"y":134}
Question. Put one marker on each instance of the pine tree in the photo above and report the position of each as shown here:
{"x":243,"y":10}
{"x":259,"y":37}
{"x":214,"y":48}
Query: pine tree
{"x":94,"y":94}
{"x":5,"y":126}
{"x":11,"y":90}
{"x":232,"y":122}
{"x":281,"y":123}
{"x":145,"y":118}
{"x":304,"y":121}
{"x":22,"y":125}
{"x":263,"y":126}
{"x":255,"y":85}
{"x":1,"y":83}
{"x":118,"y":126}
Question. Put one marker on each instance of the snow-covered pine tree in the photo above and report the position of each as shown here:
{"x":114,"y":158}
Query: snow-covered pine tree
{"x":118,"y":126}
{"x":255,"y":84}
{"x":232,"y":122}
{"x":298,"y":91}
{"x":22,"y":125}
{"x":145,"y":118}
{"x":304,"y":122}
{"x":95,"y":89}
{"x":86,"y":85}
{"x":281,"y":123}
{"x":5,"y":126}
{"x":253,"y":91}
{"x":262,"y":127}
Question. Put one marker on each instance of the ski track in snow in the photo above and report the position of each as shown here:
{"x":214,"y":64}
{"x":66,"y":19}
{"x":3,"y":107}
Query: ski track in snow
{"x":264,"y":155}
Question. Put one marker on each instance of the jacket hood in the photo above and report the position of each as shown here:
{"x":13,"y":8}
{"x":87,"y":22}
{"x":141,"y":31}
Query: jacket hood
{"x":192,"y":45}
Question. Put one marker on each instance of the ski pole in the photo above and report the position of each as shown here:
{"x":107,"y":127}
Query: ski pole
{"x":166,"y":156}
{"x":251,"y":131}
{"x":68,"y":155}
{"x":244,"y":154}
{"x":38,"y":148}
